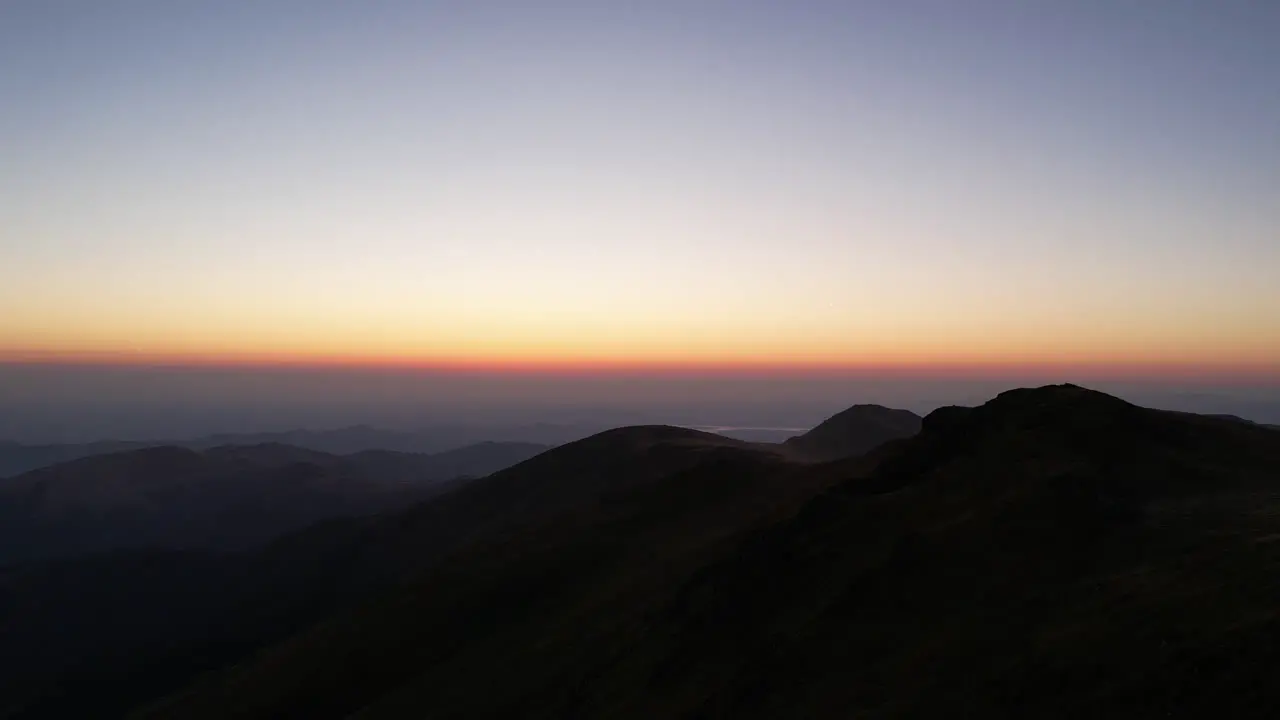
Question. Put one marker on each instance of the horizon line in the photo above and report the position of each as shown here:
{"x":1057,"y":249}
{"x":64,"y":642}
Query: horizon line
{"x":991,"y":369}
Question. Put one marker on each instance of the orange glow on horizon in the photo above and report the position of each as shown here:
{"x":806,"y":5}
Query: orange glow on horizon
{"x":906,"y":365}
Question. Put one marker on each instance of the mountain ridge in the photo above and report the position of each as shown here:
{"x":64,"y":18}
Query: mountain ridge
{"x":984,"y":566}
{"x":999,"y":518}
{"x":17,"y":458}
{"x":181,"y":498}
{"x":854,"y":431}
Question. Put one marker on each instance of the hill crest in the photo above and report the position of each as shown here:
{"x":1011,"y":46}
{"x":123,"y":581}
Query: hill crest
{"x":854,"y":431}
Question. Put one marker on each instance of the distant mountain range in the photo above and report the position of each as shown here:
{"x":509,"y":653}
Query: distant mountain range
{"x":235,"y":496}
{"x":1055,"y":552}
{"x":225,"y":497}
{"x":18,"y":458}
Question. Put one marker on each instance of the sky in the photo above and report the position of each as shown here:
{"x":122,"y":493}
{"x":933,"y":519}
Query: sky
{"x":1088,"y":188}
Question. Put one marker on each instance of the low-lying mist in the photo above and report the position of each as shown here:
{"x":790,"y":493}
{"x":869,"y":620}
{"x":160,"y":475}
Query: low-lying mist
{"x":78,"y":403}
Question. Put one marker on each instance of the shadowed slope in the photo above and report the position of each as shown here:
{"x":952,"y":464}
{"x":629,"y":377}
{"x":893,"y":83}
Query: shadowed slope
{"x":160,"y":617}
{"x":1055,"y":552}
{"x":853,"y":432}
{"x":619,"y":517}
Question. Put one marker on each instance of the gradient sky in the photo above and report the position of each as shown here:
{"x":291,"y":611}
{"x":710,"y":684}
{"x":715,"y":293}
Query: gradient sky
{"x":512,"y":184}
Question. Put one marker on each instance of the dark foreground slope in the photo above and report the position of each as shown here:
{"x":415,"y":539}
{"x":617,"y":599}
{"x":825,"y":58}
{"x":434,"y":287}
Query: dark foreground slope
{"x":93,"y":636}
{"x":1054,"y":553}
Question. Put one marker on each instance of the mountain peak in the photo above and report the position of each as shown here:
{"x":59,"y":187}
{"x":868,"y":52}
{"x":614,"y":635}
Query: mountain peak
{"x":1032,"y":405}
{"x":854,"y":431}
{"x":1072,"y":421}
{"x":643,"y":436}
{"x":1061,"y":393}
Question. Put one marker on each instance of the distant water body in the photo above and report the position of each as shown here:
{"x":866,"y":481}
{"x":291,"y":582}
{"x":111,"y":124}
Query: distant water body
{"x":747,"y":428}
{"x":752,"y":433}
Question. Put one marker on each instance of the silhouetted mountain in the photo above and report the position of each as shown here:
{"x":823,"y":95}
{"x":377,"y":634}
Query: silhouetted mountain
{"x":854,"y":431}
{"x":1236,"y":418}
{"x":434,"y":440}
{"x":225,"y":497}
{"x":475,"y":460}
{"x":1053,"y":553}
{"x":230,"y":605}
{"x":16,"y":458}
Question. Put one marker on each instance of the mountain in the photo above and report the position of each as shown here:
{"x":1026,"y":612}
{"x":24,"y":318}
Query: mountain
{"x":475,"y":460}
{"x":161,"y":617}
{"x":1055,"y":552}
{"x":431,"y":440}
{"x":225,"y":497}
{"x":1237,"y":418}
{"x":854,"y":431}
{"x":17,"y":458}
